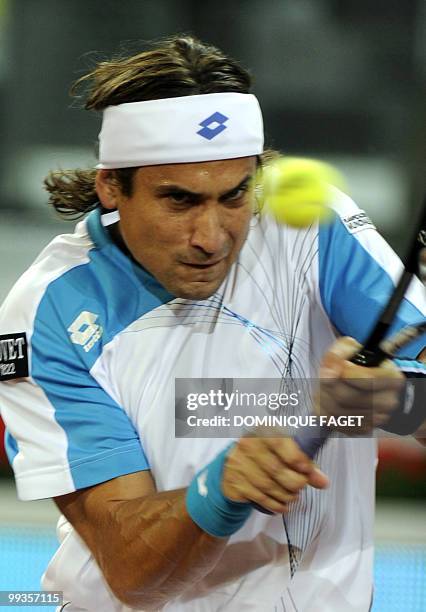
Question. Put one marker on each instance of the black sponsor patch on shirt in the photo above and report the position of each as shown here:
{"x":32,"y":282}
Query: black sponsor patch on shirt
{"x":13,"y":356}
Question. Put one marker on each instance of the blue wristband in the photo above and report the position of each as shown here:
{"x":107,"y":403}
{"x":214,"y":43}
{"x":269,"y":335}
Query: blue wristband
{"x":207,"y":505}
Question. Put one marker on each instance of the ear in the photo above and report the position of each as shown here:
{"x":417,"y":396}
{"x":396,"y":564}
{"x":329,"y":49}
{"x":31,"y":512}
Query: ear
{"x":108,"y":191}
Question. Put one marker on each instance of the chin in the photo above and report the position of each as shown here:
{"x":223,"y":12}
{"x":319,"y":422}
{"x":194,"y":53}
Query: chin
{"x":194,"y":292}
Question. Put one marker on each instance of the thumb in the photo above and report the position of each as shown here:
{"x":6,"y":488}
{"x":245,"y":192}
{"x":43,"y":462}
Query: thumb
{"x":332,"y":362}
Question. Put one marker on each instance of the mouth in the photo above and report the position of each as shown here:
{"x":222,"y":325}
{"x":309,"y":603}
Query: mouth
{"x":206,"y":266}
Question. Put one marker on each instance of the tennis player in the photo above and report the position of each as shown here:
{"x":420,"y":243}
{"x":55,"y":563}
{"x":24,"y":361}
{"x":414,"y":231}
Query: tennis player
{"x":172,"y":275}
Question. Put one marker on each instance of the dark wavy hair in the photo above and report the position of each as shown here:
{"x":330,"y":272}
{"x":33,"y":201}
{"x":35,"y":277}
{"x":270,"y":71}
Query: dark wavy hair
{"x":178,"y":66}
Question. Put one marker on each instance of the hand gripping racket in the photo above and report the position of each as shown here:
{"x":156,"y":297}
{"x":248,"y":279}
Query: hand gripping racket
{"x":375,"y":350}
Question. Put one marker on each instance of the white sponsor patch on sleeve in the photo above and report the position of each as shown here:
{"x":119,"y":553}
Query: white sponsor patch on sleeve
{"x":358,"y":222}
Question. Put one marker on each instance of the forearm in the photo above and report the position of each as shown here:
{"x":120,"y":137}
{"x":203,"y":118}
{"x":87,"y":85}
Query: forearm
{"x":152,"y":550}
{"x":151,"y":547}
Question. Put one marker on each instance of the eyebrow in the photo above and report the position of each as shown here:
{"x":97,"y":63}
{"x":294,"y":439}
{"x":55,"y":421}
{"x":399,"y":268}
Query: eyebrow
{"x":164,"y":190}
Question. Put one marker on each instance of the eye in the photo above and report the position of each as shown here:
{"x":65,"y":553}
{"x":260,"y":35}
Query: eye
{"x":178,"y":197}
{"x":236,"y":195}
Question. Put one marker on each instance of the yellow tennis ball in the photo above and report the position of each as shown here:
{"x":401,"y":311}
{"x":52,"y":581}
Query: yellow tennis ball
{"x":297,"y":190}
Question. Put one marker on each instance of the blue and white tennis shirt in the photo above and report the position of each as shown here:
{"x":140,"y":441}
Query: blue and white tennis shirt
{"x":105,"y":344}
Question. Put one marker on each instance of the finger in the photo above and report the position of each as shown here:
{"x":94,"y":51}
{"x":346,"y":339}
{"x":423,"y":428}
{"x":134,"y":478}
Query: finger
{"x":386,"y":370}
{"x":290,"y":454}
{"x":368,"y":379}
{"x":278,"y":471}
{"x":292,"y":462}
{"x":259,"y":482}
{"x":244,"y":491}
{"x":266,"y":502}
{"x":381,"y":419}
{"x":274,"y":453}
{"x":286,"y":478}
{"x":264,"y":492}
{"x":243,"y":474}
{"x":332,"y":363}
{"x":376,"y":383}
{"x":292,"y":478}
{"x":344,"y":399}
{"x":344,"y":347}
{"x":386,"y":402}
{"x":318,"y":479}
{"x":263,"y":482}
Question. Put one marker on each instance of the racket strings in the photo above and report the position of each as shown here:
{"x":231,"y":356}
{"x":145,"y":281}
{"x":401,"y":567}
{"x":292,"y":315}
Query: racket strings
{"x":293,"y":554}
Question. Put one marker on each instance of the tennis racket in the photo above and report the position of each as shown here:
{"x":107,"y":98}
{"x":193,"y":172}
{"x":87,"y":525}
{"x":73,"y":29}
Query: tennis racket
{"x":376,"y":350}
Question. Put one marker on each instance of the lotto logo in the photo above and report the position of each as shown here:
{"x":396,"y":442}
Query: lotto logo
{"x":85,"y":331}
{"x":213,"y":125}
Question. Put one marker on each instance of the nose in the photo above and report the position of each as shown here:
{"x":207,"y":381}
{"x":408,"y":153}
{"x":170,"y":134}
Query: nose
{"x":209,"y":233}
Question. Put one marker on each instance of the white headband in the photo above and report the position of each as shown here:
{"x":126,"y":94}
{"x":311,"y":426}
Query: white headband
{"x":198,"y":128}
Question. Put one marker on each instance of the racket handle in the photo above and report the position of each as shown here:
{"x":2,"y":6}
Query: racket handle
{"x":310,"y":446}
{"x":312,"y":439}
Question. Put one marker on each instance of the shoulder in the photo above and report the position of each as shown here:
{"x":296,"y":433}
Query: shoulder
{"x":80,"y":292}
{"x":61,"y":255}
{"x":353,"y":238}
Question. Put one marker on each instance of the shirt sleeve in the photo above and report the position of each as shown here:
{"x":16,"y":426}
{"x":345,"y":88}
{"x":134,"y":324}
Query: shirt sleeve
{"x":358,"y":272}
{"x":64,"y":431}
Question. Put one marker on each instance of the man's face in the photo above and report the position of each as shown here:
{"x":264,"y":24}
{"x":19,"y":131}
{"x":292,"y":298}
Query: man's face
{"x":186,"y":223}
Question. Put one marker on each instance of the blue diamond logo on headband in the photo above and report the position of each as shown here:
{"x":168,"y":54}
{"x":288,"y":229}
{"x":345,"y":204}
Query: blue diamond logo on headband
{"x":213,"y":125}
